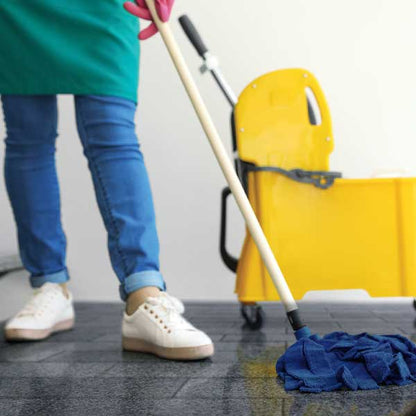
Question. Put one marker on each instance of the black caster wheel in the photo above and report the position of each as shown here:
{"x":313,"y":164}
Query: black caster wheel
{"x":414,"y":303}
{"x":253,"y":315}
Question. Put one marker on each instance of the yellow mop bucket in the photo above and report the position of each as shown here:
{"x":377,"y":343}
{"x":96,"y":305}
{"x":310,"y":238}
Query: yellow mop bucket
{"x":327,"y":232}
{"x":356,"y":234}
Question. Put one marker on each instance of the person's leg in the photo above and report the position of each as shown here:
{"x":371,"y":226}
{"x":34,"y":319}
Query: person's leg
{"x":32,"y":185}
{"x":152,"y":322}
{"x":107,"y":131}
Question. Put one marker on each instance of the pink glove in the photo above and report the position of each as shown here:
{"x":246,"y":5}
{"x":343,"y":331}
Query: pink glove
{"x":139,"y":9}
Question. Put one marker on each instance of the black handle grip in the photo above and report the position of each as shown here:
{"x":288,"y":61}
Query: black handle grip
{"x":193,"y":35}
{"x":230,"y":261}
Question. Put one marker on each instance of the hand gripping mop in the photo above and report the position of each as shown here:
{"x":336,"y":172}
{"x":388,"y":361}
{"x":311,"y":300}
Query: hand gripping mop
{"x":312,"y":364}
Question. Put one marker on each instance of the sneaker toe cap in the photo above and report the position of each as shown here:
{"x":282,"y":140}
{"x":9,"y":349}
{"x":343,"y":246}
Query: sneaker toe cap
{"x":191,"y":338}
{"x":25,"y":323}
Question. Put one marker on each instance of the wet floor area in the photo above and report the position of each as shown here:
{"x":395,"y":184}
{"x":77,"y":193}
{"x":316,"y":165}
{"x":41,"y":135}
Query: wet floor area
{"x":85,"y":372}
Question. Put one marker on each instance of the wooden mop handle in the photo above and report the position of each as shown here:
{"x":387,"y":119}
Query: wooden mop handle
{"x":225,"y":162}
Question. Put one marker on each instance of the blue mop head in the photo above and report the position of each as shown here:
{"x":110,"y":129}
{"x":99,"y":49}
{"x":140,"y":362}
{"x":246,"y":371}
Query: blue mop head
{"x":339,"y":360}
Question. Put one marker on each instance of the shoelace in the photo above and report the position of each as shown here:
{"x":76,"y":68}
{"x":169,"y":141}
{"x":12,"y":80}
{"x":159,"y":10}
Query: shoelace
{"x":40,"y":300}
{"x":169,"y":310}
{"x":176,"y":303}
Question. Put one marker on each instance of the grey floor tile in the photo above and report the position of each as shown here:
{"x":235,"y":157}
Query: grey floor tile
{"x":354,"y":312}
{"x":219,"y":326}
{"x":103,"y":307}
{"x":93,"y":406}
{"x":30,"y":351}
{"x":87,"y":333}
{"x":215,"y":337}
{"x":101,"y":356}
{"x":170,"y":369}
{"x":373,"y":329}
{"x":403,"y":307}
{"x":269,"y":330}
{"x":114,"y":337}
{"x":263,"y":353}
{"x":202,"y":320}
{"x":376,"y":320}
{"x":221,"y":388}
{"x":44,"y":369}
{"x":2,"y":339}
{"x":398,"y":318}
{"x":387,"y":401}
{"x":22,"y":407}
{"x":310,"y":319}
{"x":256,"y":337}
{"x":323,"y":326}
{"x":85,"y":371}
{"x":90,"y":346}
{"x":172,"y":407}
{"x":106,"y":389}
{"x":227,"y":406}
{"x":249,"y":348}
{"x":111,"y":337}
{"x":117,"y":355}
{"x":408,"y":327}
{"x":99,"y":321}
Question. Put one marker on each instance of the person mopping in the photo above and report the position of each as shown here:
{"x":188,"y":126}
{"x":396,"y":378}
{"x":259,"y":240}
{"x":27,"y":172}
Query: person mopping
{"x":88,"y":50}
{"x":312,"y":364}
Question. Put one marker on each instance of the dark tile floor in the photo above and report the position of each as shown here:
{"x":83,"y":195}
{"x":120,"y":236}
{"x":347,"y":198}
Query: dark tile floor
{"x":85,"y":372}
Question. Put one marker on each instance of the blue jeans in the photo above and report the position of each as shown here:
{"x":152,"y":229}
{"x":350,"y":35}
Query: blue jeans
{"x":107,"y":131}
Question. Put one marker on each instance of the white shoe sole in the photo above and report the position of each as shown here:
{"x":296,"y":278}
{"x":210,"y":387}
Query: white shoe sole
{"x":12,"y":334}
{"x":188,"y":353}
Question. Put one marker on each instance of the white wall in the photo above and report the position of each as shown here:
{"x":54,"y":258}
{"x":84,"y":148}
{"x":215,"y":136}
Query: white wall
{"x":363,"y":55}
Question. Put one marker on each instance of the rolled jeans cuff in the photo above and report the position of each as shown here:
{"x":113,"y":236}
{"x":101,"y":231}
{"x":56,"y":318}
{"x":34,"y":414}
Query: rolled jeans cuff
{"x":58,"y":277}
{"x":139,"y":280}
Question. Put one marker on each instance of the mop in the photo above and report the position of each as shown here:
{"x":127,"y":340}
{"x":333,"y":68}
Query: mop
{"x":312,"y":364}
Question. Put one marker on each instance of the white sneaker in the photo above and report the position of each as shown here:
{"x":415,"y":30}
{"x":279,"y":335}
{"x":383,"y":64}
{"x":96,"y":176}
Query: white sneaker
{"x":47,"y":312}
{"x":157,"y":327}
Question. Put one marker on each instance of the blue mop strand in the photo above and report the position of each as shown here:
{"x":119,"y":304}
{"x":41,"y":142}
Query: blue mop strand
{"x":339,"y":360}
{"x":303,"y":332}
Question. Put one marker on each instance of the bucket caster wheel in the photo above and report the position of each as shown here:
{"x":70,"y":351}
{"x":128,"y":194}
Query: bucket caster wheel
{"x":414,"y":303}
{"x":253,"y":315}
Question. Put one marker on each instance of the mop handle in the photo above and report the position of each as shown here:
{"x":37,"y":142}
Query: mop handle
{"x":225,"y":162}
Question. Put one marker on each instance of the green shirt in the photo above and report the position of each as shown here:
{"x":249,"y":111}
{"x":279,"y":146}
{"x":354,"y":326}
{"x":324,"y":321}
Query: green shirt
{"x":68,"y":47}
